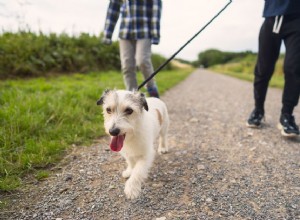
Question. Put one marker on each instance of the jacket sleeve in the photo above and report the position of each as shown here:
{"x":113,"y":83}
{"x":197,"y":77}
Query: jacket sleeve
{"x":155,"y":21}
{"x":112,"y":17}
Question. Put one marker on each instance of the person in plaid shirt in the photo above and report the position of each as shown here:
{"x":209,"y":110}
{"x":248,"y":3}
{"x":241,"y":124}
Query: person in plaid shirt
{"x":139,"y":29}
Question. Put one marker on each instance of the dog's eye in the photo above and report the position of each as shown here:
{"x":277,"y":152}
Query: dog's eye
{"x":128,"y":111}
{"x":108,"y":110}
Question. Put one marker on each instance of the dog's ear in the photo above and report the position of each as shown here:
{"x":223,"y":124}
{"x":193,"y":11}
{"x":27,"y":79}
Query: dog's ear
{"x":143,"y":101}
{"x":100,"y":101}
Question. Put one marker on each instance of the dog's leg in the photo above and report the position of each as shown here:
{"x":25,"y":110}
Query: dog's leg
{"x":163,"y":147}
{"x":130,"y":164}
{"x":138,"y":175}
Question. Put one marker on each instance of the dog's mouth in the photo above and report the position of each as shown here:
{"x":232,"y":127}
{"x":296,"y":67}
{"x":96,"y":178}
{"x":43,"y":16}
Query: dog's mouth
{"x":116,"y":143}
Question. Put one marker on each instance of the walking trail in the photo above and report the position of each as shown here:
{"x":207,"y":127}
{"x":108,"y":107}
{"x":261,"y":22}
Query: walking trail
{"x":217,"y":168}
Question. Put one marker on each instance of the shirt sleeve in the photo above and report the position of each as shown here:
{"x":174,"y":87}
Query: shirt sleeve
{"x":112,"y":17}
{"x":155,"y":21}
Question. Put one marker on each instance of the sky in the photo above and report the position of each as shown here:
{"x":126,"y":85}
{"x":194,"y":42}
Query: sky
{"x":236,"y":29}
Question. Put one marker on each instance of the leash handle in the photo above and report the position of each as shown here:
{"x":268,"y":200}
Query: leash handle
{"x":181,"y":48}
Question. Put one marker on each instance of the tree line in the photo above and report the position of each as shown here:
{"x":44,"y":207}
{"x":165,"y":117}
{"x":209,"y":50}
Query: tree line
{"x":213,"y":57}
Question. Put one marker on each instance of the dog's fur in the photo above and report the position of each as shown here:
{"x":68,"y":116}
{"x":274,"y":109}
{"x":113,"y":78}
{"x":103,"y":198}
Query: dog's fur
{"x":141,"y":120}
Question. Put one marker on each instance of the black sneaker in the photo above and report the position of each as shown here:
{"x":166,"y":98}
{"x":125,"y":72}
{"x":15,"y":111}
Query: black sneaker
{"x":288,"y":126}
{"x":255,"y":119}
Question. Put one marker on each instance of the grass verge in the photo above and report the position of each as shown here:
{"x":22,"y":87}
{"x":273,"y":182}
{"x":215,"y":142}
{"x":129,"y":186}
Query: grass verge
{"x":277,"y":80}
{"x":40,"y":118}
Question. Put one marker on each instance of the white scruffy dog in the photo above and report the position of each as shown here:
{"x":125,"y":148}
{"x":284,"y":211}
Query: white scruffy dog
{"x":134,"y":123}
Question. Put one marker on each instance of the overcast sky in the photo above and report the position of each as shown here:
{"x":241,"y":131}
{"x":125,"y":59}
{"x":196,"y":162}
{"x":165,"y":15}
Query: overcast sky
{"x":235,"y":30}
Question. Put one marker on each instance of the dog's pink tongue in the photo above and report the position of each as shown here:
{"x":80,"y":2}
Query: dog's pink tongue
{"x":116,"y":143}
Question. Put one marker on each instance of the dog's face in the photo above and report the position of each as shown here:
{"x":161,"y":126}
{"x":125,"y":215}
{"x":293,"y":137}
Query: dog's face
{"x":121,"y":109}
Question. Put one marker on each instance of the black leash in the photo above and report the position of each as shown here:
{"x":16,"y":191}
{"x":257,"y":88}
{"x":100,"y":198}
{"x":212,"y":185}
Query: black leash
{"x":172,"y":57}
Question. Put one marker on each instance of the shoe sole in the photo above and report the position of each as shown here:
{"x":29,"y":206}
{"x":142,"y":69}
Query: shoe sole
{"x":283,"y":133}
{"x":253,"y":126}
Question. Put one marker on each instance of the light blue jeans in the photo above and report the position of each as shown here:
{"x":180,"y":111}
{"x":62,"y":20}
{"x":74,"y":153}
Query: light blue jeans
{"x":136,"y":54}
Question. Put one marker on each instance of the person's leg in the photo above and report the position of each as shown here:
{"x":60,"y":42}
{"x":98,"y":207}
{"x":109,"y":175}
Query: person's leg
{"x":291,"y":89}
{"x":268,"y":52}
{"x":269,"y":49}
{"x":128,"y":65}
{"x":143,"y":59}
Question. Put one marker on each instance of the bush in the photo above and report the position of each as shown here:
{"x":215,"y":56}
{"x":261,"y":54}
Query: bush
{"x":158,"y":60}
{"x":25,"y":54}
{"x":212,"y":57}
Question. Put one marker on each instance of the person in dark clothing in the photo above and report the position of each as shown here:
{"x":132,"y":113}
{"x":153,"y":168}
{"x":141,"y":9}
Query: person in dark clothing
{"x":282,"y":23}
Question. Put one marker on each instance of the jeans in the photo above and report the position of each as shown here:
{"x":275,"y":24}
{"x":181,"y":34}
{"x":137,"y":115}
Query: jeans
{"x":133,"y":54}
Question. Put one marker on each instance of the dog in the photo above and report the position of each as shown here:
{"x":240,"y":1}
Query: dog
{"x":134,"y":122}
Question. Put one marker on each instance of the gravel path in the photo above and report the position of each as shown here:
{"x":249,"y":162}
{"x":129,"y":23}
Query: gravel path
{"x":217,"y":168}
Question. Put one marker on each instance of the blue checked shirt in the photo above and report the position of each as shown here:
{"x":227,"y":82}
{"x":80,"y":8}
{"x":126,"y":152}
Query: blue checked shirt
{"x":140,"y":19}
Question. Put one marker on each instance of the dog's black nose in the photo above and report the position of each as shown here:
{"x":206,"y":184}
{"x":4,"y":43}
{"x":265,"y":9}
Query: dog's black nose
{"x":114,"y":131}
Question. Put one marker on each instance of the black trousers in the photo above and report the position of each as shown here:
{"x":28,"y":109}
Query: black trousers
{"x":269,"y":50}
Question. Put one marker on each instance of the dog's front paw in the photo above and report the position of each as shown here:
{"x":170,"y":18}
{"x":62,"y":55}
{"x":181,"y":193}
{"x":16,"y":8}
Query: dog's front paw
{"x":162,"y":150}
{"x":126,"y":173}
{"x":132,"y":190}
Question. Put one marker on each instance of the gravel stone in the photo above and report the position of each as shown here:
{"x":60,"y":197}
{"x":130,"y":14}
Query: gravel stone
{"x":217,"y":168}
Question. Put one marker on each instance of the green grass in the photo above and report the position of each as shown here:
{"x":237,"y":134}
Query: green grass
{"x":244,"y":69}
{"x":42,"y":174}
{"x":40,"y":118}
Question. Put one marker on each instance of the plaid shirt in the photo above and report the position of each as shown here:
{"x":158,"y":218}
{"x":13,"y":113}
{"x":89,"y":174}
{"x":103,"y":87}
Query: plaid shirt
{"x":140,"y":20}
